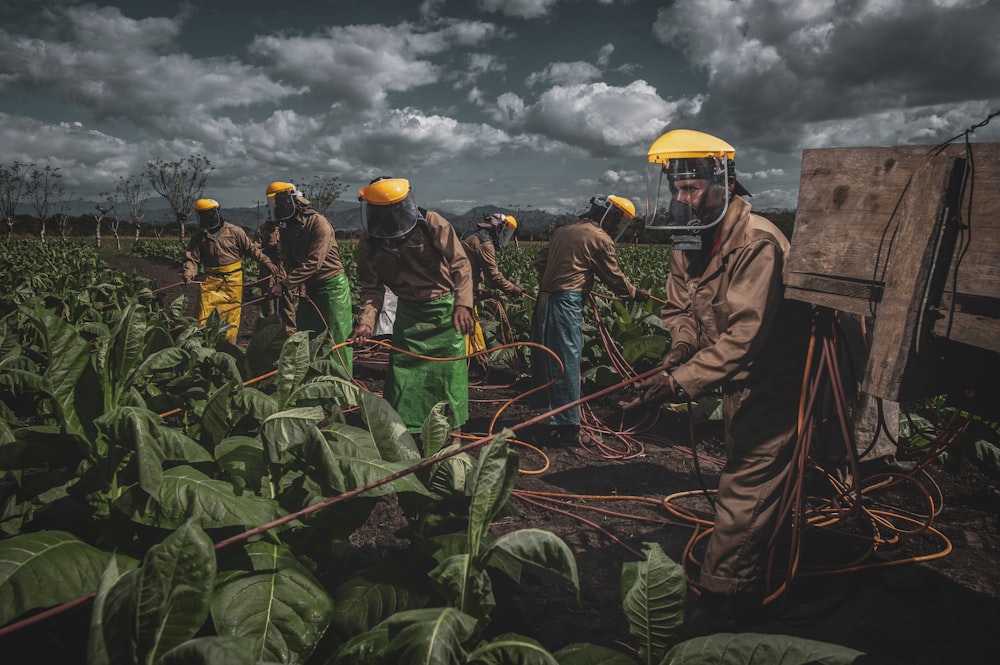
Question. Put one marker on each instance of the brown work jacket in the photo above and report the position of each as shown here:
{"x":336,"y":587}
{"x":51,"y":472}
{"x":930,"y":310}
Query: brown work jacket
{"x":575,"y":254}
{"x":226,"y":247}
{"x":726,"y":303}
{"x":482,"y":255}
{"x":429,"y":264}
{"x":309,"y":251}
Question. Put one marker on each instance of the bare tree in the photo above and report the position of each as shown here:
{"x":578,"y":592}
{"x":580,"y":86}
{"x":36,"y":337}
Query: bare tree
{"x":13,"y":183}
{"x":62,"y":210}
{"x":180,"y":183}
{"x":108,"y":202}
{"x":322,"y":191}
{"x":133,"y":192}
{"x":42,"y":185}
{"x":114,"y":222}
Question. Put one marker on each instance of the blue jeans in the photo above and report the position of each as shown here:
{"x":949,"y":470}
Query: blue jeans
{"x":558,"y":325}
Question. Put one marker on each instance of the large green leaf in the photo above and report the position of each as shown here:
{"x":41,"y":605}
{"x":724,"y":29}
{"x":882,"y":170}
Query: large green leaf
{"x":242,"y":457}
{"x":186,"y":493}
{"x":465,"y":586}
{"x":210,"y":651}
{"x":129,"y":344}
{"x":646,"y":346}
{"x":255,"y":405}
{"x":167,"y":360}
{"x":590,"y":654}
{"x":40,"y":446}
{"x":129,"y":428}
{"x":174,"y":591}
{"x":340,"y":473}
{"x":216,"y":417}
{"x":494,"y":478}
{"x":437,"y":427}
{"x":433,"y":635}
{"x":653,"y":598}
{"x":68,"y":356}
{"x":388,"y":430}
{"x":351,"y":441}
{"x":279,"y":608}
{"x":288,"y":429}
{"x":512,"y":649}
{"x":293,"y":363}
{"x":364,"y":649}
{"x":757,"y":649}
{"x":118,"y":615}
{"x":374,"y":595}
{"x":540,"y":548}
{"x":46,"y":568}
{"x":97,"y":650}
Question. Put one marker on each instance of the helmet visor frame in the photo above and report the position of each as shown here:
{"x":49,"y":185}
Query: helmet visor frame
{"x":281,"y":205}
{"x":664,"y":212}
{"x":390,"y":221}
{"x":613,"y":221}
{"x":210,"y":219}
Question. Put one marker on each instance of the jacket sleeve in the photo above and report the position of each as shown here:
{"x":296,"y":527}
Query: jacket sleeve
{"x":371,"y":286}
{"x":249,"y":247}
{"x":607,"y":268}
{"x":321,"y":240}
{"x":752,"y":301}
{"x":447,"y":242}
{"x":677,"y":314}
{"x":192,"y":257}
{"x":541,"y":261}
{"x":492,"y":272}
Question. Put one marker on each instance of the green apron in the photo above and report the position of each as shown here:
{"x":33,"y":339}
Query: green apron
{"x":332,"y":298}
{"x":414,"y":385}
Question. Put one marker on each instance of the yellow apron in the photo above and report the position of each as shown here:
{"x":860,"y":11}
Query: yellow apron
{"x":222,"y":291}
{"x":476,"y":341}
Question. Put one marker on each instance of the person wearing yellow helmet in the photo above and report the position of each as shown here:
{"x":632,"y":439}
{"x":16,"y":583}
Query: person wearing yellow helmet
{"x":575,"y":254}
{"x":481,"y":245}
{"x":417,"y":254}
{"x":268,"y":236}
{"x":218,"y":247}
{"x":312,"y":269}
{"x":731,"y":328}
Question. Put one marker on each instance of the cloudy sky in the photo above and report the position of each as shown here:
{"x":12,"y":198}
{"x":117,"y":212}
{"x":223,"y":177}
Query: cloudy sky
{"x":527,"y":103}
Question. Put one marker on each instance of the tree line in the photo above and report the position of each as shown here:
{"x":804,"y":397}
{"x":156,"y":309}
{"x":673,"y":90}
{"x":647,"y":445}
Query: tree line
{"x":179,"y":182}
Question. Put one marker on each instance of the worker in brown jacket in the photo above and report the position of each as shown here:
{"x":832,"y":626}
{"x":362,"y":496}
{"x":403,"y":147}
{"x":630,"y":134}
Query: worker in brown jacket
{"x":481,"y":245}
{"x":268,"y":236}
{"x":219,"y":247}
{"x":576,"y":254}
{"x":730,"y":328}
{"x":312,"y":269}
{"x":418,"y":255}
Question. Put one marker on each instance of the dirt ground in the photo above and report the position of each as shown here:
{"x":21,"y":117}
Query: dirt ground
{"x":937,"y":611}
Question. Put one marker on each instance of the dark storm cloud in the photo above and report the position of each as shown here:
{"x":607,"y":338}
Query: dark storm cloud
{"x":783,"y":75}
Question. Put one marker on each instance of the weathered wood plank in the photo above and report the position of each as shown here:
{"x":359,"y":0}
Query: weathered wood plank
{"x":893,"y":370}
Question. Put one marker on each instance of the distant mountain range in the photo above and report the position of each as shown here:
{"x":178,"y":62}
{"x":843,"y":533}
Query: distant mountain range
{"x":346,"y":216}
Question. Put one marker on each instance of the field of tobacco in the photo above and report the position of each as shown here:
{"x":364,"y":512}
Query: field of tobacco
{"x":168,"y":497}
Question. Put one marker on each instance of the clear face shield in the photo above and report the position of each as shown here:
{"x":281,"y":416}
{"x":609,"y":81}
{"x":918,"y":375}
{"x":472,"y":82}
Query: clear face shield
{"x":391,"y":221}
{"x":501,"y":231}
{"x":209,"y":220}
{"x":613,"y":220}
{"x":281,"y":206}
{"x":687,"y":196}
{"x":504,"y":235}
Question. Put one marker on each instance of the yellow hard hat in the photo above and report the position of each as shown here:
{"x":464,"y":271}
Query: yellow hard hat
{"x":385,"y":191}
{"x":206,"y":204}
{"x":279,"y":186}
{"x":687,"y":143}
{"x":623,"y":204}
